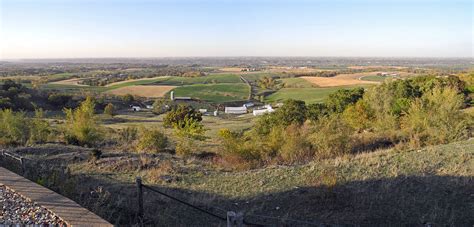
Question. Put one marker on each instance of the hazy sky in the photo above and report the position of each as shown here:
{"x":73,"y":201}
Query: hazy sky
{"x":147,"y":28}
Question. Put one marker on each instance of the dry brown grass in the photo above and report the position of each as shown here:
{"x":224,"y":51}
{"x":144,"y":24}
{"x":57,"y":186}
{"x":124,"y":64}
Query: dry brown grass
{"x":142,"y":91}
{"x":340,"y":80}
{"x":348,"y":79}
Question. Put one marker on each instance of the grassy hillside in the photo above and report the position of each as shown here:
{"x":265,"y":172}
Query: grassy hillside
{"x":429,"y":185}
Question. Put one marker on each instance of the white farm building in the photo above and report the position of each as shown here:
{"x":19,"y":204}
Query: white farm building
{"x":236,"y":110}
{"x":268,"y":109}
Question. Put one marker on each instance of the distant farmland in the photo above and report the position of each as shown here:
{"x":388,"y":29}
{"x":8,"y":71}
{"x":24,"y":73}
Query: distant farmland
{"x":148,"y":91}
{"x":215,"y":92}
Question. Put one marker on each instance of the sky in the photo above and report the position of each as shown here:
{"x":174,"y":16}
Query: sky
{"x":179,"y":28}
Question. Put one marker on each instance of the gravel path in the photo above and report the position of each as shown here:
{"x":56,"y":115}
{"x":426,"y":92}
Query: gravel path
{"x":19,"y":210}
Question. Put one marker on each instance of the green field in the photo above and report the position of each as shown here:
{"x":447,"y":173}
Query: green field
{"x":375,"y":78}
{"x":223,"y":92}
{"x":209,"y":79}
{"x":309,"y":95}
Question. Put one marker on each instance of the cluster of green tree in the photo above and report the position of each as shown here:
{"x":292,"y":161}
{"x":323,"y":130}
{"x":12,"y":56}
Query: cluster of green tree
{"x":319,"y":74}
{"x":15,"y":96}
{"x":416,"y":112}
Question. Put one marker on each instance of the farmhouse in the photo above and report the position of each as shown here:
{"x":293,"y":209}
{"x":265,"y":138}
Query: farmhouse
{"x":236,"y":110}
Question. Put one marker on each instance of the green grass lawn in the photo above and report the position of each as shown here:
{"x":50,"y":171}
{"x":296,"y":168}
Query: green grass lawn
{"x":307,"y":94}
{"x":223,"y":92}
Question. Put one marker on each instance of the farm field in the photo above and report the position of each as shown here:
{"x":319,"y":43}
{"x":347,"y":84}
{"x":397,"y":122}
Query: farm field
{"x":149,"y":91}
{"x":296,"y":82}
{"x":336,"y":81}
{"x":307,"y":94}
{"x":375,"y":78}
{"x":74,"y":81}
{"x":223,"y":92}
{"x":208,"y":79}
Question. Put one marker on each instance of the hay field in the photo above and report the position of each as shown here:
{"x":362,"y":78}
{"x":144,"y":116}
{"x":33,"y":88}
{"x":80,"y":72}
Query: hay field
{"x":341,"y":80}
{"x":148,"y":91}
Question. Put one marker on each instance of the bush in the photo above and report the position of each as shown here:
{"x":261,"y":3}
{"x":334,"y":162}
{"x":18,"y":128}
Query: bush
{"x":109,"y":109}
{"x":176,"y":116}
{"x":95,"y":154}
{"x":152,"y":141}
{"x":39,"y":128}
{"x":81,"y":125}
{"x":14,"y":127}
{"x":358,"y":115}
{"x":296,"y":148}
{"x":436,"y":118}
{"x":331,"y":137}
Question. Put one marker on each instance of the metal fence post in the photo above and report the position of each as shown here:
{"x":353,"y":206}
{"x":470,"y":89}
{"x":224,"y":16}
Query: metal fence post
{"x":22,"y":163}
{"x":140,"y":199}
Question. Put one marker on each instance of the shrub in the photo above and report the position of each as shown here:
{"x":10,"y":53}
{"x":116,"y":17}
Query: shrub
{"x":128,"y":135}
{"x":188,"y":130}
{"x":358,"y":115}
{"x":81,"y":126}
{"x":331,"y":137}
{"x":109,"y":109}
{"x":39,"y":128}
{"x":14,"y":127}
{"x":295,"y":147}
{"x":436,"y":118}
{"x":95,"y":154}
{"x":177,"y":115}
{"x":152,"y":141}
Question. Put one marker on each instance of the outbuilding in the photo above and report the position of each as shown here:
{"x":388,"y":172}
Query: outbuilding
{"x":236,"y":110}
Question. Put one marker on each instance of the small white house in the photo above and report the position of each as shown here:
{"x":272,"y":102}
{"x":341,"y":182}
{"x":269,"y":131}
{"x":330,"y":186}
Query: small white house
{"x":202,"y":111}
{"x":259,"y":112}
{"x":149,"y":106}
{"x":136,"y":108}
{"x":236,"y":110}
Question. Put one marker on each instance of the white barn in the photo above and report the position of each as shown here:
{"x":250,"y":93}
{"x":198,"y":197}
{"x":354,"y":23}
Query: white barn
{"x":236,"y":110}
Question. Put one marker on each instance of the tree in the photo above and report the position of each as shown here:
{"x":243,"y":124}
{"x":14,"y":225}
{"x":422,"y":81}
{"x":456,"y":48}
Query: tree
{"x":338,"y":101}
{"x":128,"y":98}
{"x":315,"y":111}
{"x":358,"y":115}
{"x":81,"y":125}
{"x":188,"y":130}
{"x":109,"y":109}
{"x":292,"y":112}
{"x":178,"y":114}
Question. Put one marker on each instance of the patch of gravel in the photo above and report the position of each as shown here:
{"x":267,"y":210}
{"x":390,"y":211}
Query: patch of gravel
{"x":17,"y":209}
